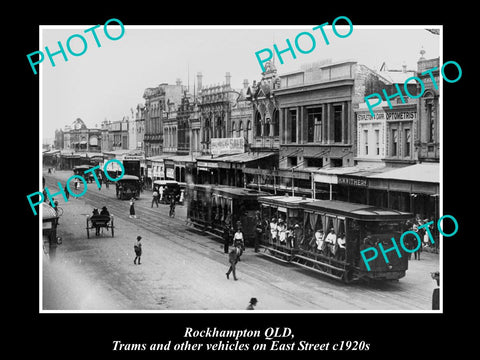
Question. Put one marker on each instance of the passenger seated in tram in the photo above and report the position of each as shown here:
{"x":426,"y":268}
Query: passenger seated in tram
{"x":331,"y":241}
{"x":282,"y":232}
{"x":341,"y":247}
{"x":273,"y":230}
{"x":297,"y":236}
{"x":319,"y":244}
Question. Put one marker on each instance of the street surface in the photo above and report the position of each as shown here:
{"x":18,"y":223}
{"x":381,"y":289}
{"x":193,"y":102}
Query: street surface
{"x":184,"y":270}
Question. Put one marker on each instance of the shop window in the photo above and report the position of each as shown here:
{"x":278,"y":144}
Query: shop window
{"x":377,"y":141}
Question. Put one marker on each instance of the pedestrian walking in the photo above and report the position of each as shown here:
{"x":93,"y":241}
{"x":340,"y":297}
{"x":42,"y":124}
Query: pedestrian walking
{"x":67,"y":193}
{"x":226,"y":236}
{"x":436,"y":291}
{"x":233,"y":257}
{"x":172,"y":207}
{"x":137,"y":246}
{"x":258,"y":230}
{"x":252,"y":304}
{"x":132,"y":208}
{"x":155,"y":197}
{"x":239,"y":242}
{"x":161,"y":193}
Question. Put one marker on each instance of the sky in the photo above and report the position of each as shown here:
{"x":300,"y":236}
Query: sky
{"x":107,"y":82}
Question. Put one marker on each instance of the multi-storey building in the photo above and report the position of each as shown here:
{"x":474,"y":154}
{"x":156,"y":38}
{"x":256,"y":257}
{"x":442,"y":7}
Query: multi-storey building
{"x":78,"y":138}
{"x":157,"y":101}
{"x":317,"y":128}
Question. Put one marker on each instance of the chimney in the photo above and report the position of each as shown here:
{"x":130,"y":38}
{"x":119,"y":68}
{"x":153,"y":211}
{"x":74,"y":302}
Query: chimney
{"x":199,"y":81}
{"x":179,"y":82}
{"x":245,"y":84}
{"x":227,"y":78}
{"x":404,"y":67}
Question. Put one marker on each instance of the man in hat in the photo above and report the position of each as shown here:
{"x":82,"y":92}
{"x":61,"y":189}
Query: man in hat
{"x":331,"y":241}
{"x":253,"y":302}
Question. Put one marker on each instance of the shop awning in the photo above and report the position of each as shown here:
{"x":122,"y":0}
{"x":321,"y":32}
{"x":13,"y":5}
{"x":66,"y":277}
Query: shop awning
{"x":425,"y":172}
{"x":241,"y":158}
{"x":332,"y":174}
{"x":245,"y":157}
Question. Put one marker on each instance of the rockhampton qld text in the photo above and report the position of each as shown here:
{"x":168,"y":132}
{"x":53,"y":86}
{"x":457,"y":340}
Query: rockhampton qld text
{"x":402,"y":243}
{"x":67,"y":186}
{"x":273,"y":339}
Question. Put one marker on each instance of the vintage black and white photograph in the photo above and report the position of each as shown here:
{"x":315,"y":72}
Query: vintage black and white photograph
{"x":241,"y":168}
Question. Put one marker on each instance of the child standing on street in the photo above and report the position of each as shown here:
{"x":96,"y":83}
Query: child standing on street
{"x":138,"y":250}
{"x":132,"y":208}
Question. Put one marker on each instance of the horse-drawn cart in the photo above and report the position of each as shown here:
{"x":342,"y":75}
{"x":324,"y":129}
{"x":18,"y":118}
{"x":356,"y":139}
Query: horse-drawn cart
{"x":98,"y":222}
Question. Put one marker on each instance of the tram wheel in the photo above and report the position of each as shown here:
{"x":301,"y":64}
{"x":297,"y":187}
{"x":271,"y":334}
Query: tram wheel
{"x":347,"y":276}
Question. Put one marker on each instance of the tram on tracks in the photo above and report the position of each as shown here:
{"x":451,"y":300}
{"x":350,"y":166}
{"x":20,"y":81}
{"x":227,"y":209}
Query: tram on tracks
{"x":212,"y":208}
{"x":327,"y":236}
{"x":127,"y":187}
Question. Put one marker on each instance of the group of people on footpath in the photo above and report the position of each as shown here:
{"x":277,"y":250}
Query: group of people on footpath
{"x":411,"y":242}
{"x":157,"y":197}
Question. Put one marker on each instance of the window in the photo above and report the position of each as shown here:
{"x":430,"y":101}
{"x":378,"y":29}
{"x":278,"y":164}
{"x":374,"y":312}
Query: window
{"x":365,"y":141}
{"x":377,"y":141}
{"x":336,"y":162}
{"x":240,"y":129}
{"x":314,"y":125}
{"x":233,"y":129}
{"x":337,"y":123}
{"x":292,"y":161}
{"x":293,"y":126}
{"x":314,"y":162}
{"x":266,"y":127}
{"x":407,"y":142}
{"x":276,"y":123}
{"x":258,"y":124}
{"x":431,"y":122}
{"x":394,"y":142}
{"x":249,"y":132}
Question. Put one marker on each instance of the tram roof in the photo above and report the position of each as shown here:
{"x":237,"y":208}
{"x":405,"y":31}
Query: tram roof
{"x":48,"y":212}
{"x":282,"y":200}
{"x":356,"y":211}
{"x":232,"y":190}
{"x":129,"y":177}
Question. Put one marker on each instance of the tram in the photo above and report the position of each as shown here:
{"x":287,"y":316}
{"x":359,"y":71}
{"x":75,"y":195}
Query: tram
{"x":212,"y":208}
{"x":327,"y":236}
{"x":127,"y":187}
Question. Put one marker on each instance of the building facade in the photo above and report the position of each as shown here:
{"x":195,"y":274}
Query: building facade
{"x":158,"y":100}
